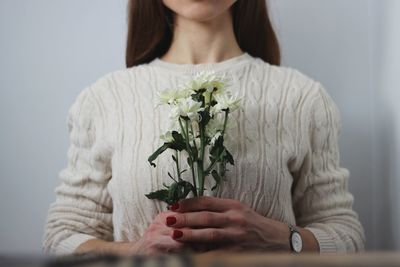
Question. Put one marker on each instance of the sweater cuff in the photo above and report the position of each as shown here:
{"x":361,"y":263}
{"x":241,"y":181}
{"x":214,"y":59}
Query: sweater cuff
{"x":326,"y":243}
{"x":69,"y":245}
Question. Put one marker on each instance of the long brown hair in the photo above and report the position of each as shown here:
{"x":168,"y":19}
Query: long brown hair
{"x":150,"y":30}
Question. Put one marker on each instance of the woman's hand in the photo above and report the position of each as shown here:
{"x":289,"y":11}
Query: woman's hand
{"x":156,"y":240}
{"x":226,"y":224}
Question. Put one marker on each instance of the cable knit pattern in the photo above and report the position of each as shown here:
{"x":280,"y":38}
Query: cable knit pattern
{"x":284,"y":142}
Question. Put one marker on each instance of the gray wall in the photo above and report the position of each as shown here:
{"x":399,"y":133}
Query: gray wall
{"x":49,"y":51}
{"x":352,"y":48}
{"x":329,"y":40}
{"x":52,"y":49}
{"x":386,"y":70}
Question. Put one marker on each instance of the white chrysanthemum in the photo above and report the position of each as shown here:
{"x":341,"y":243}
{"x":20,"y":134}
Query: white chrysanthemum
{"x":186,"y":107}
{"x":208,"y":80}
{"x":167,"y":137}
{"x":225,"y":101}
{"x":213,"y":126}
{"x":173,"y":124}
{"x":215,"y":110}
{"x":171,"y":96}
{"x":197,"y":140}
{"x":216,"y":125}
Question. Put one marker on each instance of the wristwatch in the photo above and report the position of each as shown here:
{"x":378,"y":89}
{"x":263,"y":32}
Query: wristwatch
{"x":295,"y":240}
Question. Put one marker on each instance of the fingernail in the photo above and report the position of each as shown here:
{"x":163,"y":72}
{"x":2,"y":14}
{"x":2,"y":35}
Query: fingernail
{"x":177,"y":234}
{"x":170,"y":220}
{"x":174,"y":206}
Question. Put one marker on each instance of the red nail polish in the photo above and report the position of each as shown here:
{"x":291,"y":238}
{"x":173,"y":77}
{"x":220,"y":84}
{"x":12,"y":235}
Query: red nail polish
{"x":170,"y":220}
{"x":174,"y":206}
{"x":177,"y":234}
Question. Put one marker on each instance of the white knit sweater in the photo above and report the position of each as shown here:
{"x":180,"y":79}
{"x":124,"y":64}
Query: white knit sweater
{"x":286,"y":154}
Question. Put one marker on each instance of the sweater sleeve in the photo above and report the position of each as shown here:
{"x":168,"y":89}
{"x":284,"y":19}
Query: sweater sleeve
{"x":321,"y":200}
{"x":83,"y":208}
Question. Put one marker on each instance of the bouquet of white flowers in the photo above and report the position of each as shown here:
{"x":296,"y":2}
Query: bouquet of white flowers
{"x":199,"y":117}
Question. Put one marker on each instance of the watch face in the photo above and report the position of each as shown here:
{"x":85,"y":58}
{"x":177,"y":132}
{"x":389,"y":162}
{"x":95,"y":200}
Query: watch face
{"x":297,"y":242}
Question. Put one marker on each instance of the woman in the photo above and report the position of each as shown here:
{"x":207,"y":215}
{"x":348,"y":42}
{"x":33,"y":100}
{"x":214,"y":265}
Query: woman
{"x":286,"y":192}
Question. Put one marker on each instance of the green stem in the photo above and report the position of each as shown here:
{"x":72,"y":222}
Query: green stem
{"x":214,"y":162}
{"x":177,"y":165}
{"x":225,"y":121}
{"x":186,"y":133}
{"x":210,"y":100}
{"x":194,"y":138}
{"x":200,"y":175}
{"x":200,"y":165}
{"x":219,"y":156}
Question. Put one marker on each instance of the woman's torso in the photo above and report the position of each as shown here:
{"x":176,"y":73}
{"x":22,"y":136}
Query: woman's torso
{"x":268,"y":139}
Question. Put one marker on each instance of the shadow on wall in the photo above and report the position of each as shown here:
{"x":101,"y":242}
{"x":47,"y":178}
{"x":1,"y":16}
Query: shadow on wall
{"x":387,"y":164}
{"x":386,"y":69}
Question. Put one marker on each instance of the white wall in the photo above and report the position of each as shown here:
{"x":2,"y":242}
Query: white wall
{"x":51,"y":49}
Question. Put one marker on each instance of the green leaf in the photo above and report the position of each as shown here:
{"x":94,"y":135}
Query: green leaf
{"x":170,"y":175}
{"x":217,"y":148}
{"x":173,"y":191}
{"x":198,"y":96}
{"x":160,"y":150}
{"x":217,"y":179}
{"x":228,"y":156}
{"x":195,"y":153}
{"x":179,"y":190}
{"x":179,"y":142}
{"x":187,"y":187}
{"x":159,"y":195}
{"x":213,"y":103}
{"x":205,"y":118}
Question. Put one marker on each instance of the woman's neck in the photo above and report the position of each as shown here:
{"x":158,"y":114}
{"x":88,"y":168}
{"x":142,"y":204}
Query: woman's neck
{"x":208,"y":41}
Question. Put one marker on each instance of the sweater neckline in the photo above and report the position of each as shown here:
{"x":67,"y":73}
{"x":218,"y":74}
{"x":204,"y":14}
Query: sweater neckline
{"x":229,"y":63}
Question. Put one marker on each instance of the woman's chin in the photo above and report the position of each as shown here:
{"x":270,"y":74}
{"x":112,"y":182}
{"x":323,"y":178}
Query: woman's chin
{"x":199,"y":10}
